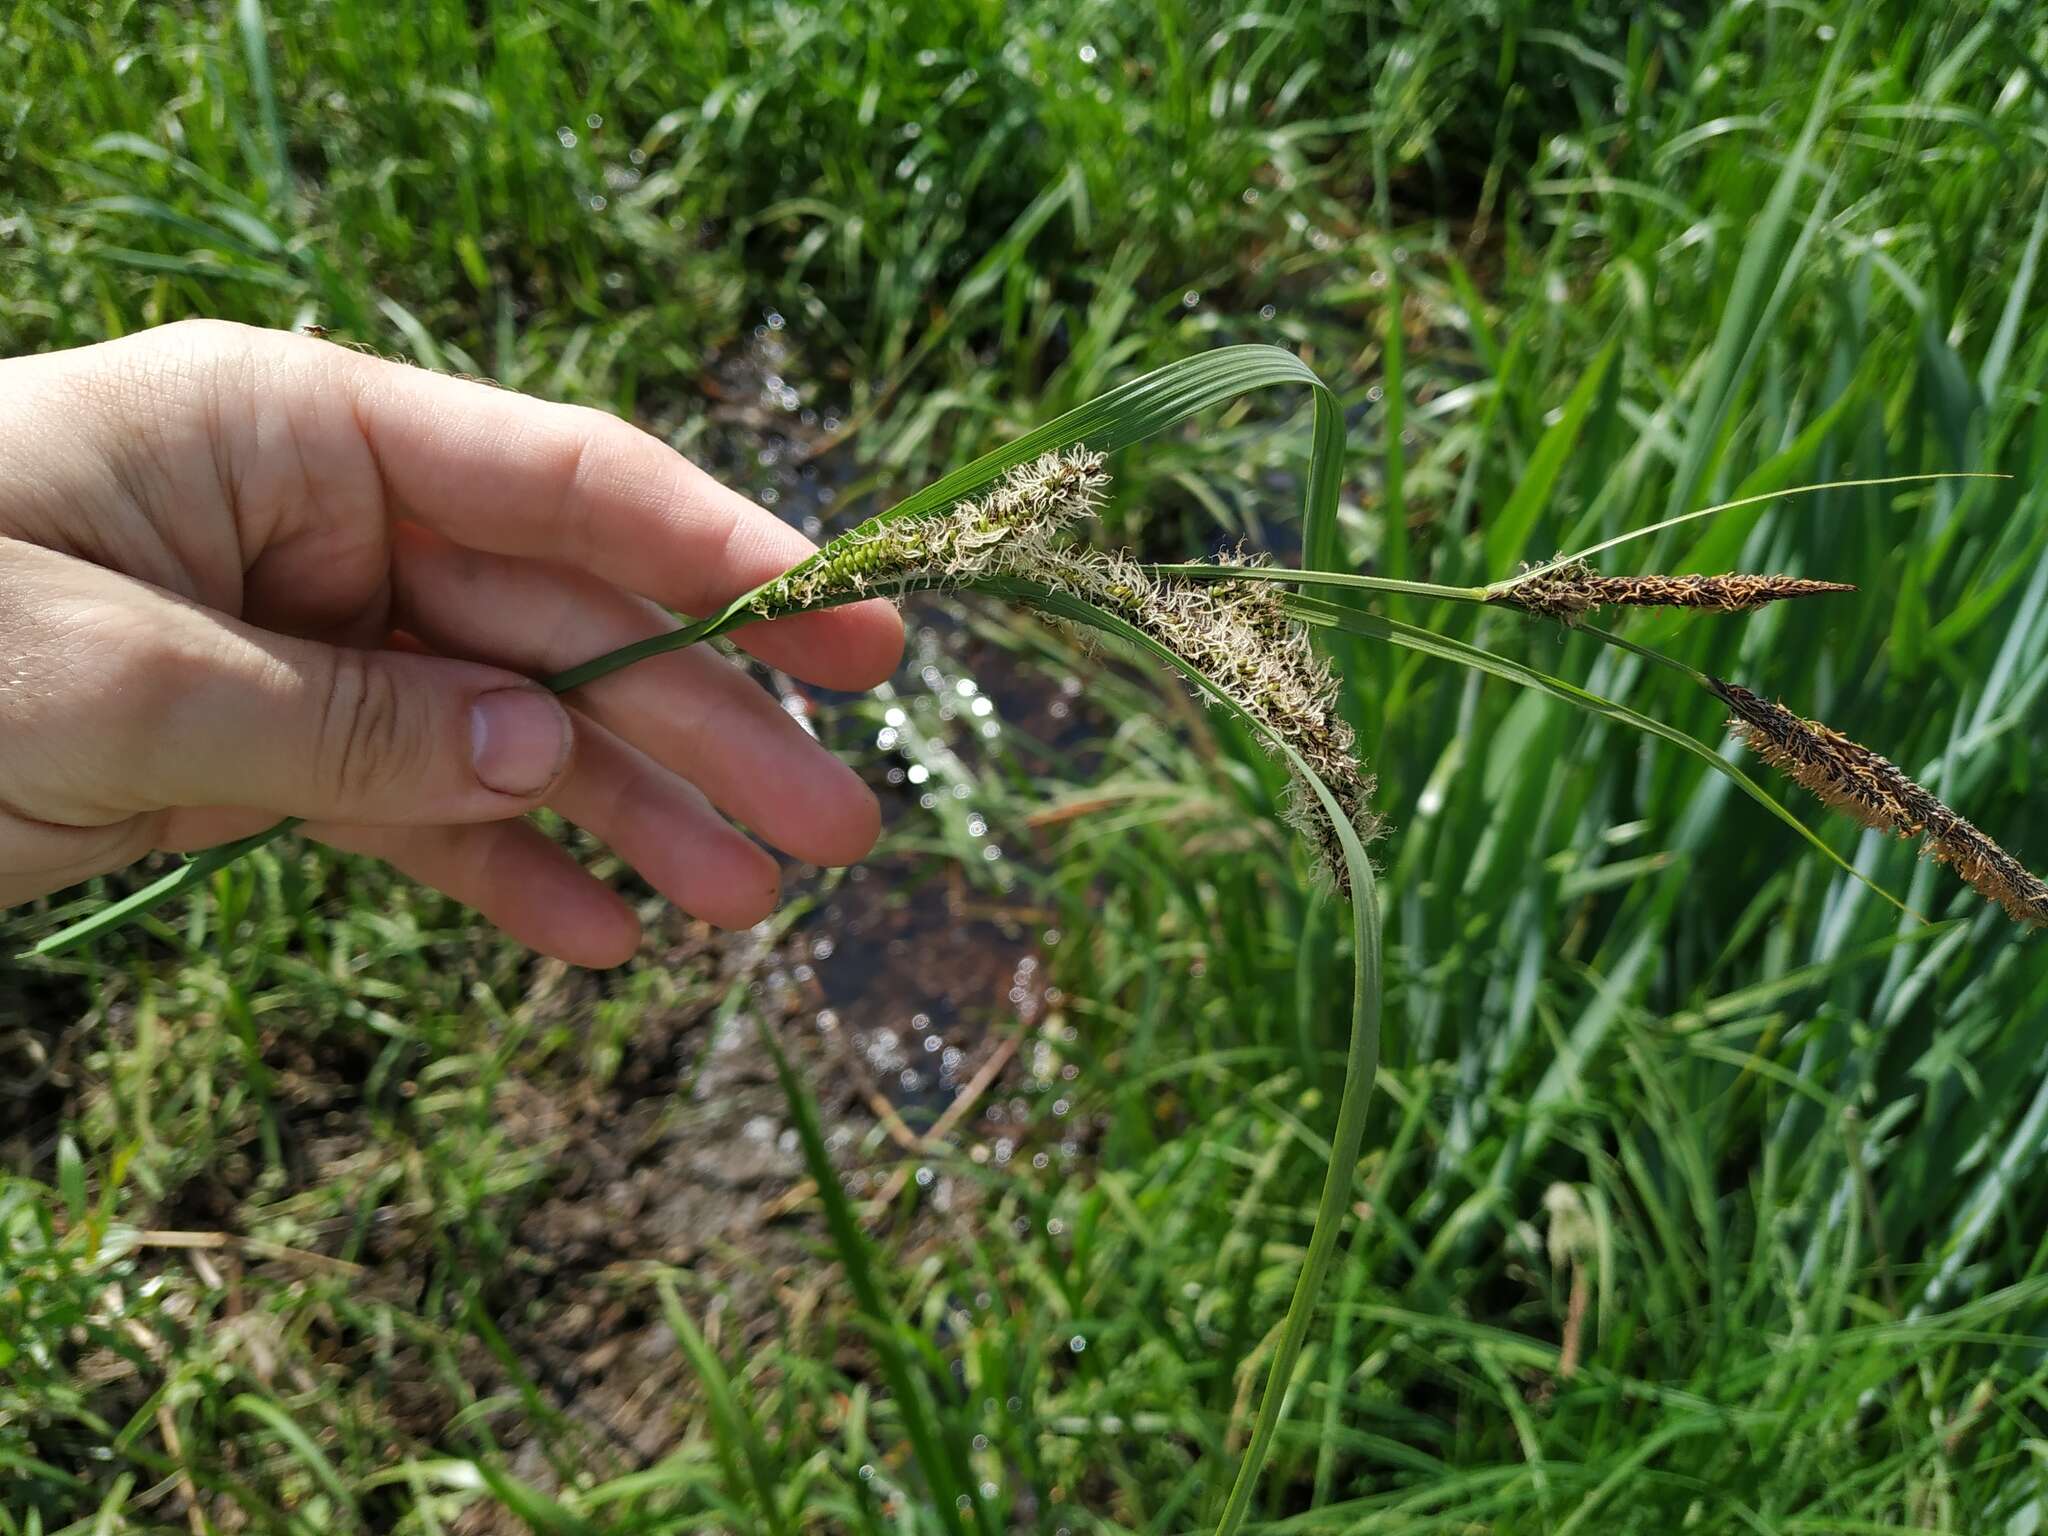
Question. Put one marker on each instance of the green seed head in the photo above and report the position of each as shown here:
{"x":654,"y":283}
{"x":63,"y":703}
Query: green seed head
{"x":1238,"y":634}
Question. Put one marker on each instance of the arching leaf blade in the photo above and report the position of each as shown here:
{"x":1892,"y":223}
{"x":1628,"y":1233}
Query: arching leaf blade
{"x":1316,"y":611}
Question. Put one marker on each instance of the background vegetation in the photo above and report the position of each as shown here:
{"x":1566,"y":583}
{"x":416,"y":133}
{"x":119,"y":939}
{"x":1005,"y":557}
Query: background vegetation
{"x":1703,"y":1189}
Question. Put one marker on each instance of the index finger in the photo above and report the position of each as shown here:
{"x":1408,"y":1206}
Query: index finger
{"x":512,"y":475}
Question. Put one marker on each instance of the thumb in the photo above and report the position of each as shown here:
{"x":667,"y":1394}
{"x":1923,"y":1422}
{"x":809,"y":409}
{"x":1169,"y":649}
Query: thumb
{"x":190,"y":708}
{"x":384,"y":738}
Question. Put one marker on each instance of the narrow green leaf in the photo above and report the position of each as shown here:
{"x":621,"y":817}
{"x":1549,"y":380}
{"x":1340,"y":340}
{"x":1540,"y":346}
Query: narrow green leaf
{"x":884,"y":1326}
{"x":540,"y":1512}
{"x":1393,"y":494}
{"x":1508,"y":534}
{"x":1749,"y":501}
{"x":1762,"y":251}
{"x":315,"y":1461}
{"x":71,"y":1179}
{"x":250,"y":22}
{"x":736,"y":1436}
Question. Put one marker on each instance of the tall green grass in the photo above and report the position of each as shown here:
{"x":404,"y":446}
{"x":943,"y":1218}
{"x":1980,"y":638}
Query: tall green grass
{"x":1610,"y":267}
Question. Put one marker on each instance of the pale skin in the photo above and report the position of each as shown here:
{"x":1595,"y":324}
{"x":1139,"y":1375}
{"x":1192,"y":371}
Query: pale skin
{"x":247,"y":575}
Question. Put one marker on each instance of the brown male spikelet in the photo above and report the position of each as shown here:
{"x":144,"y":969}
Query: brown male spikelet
{"x":1854,"y":779}
{"x":1570,"y":591}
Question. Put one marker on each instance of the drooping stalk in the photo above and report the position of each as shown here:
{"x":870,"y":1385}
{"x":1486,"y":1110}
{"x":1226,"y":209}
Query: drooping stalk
{"x":1361,"y":1061}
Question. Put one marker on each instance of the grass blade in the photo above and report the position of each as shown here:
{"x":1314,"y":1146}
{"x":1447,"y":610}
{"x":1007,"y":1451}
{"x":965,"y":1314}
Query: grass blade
{"x":738,"y":1440}
{"x":1509,"y":532}
{"x":309,"y":1454}
{"x":952,"y":1487}
{"x":1749,"y":501}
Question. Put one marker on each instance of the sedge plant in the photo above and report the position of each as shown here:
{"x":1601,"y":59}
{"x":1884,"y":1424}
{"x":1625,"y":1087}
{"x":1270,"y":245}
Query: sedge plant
{"x":1238,"y":630}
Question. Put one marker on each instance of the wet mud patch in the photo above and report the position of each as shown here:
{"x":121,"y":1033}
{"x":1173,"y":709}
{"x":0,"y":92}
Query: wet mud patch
{"x":44,"y":1019}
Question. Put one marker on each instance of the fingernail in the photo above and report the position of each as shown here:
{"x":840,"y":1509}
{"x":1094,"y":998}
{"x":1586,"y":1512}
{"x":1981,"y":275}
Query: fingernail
{"x":518,"y":740}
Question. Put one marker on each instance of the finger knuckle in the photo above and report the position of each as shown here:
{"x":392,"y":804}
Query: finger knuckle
{"x":363,"y":741}
{"x":119,"y":844}
{"x":177,"y":360}
{"x":137,"y":679}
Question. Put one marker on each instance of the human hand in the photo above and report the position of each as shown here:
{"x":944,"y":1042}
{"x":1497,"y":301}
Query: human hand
{"x":246,"y":574}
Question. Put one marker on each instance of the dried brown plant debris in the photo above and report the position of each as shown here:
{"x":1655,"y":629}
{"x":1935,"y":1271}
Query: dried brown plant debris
{"x":1570,"y":591}
{"x":1854,"y":779}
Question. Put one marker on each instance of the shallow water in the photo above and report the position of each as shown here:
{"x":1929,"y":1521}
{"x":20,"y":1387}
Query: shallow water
{"x":911,"y":962}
